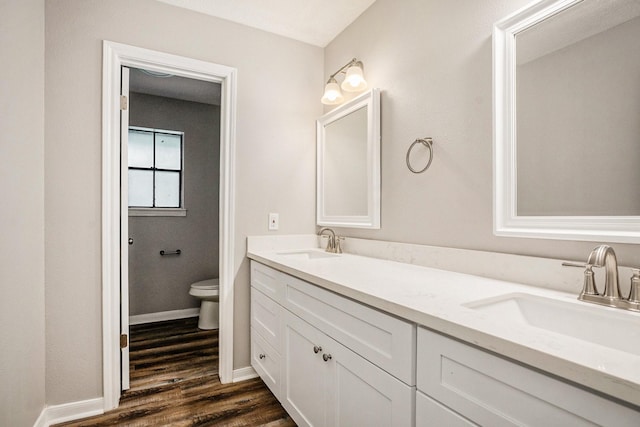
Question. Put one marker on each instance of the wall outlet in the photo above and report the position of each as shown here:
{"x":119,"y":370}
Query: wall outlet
{"x":274,"y":221}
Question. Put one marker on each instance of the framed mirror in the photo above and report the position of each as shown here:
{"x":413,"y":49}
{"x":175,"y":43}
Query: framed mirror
{"x":567,"y":121}
{"x":348,"y":164}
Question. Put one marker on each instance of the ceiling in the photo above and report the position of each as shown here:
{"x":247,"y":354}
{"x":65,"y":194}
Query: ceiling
{"x":316,"y":22}
{"x":174,"y":87}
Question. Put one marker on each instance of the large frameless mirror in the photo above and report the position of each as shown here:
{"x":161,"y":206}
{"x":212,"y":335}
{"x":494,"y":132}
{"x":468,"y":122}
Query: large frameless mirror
{"x":348,"y":174}
{"x":567,"y":121}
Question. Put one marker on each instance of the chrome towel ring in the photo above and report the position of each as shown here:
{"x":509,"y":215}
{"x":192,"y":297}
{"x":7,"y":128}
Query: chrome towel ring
{"x":427,"y":142}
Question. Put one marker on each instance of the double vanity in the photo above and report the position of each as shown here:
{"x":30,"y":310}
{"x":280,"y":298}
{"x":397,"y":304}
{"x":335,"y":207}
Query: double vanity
{"x":401,"y":336}
{"x":343,"y":339}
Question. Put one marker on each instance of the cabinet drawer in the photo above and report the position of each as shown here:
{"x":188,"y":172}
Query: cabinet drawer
{"x":267,"y":280}
{"x":384,"y":340}
{"x":266,"y":361}
{"x":431,"y":413}
{"x":266,"y":318}
{"x":490,"y":390}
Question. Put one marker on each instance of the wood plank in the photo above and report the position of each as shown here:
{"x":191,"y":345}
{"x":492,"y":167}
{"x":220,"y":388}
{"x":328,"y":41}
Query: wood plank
{"x":174,"y":382}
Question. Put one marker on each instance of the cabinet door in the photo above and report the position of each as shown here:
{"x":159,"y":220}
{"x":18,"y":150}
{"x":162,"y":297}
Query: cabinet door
{"x":306,"y":376}
{"x":337,"y":387}
{"x":362,"y":394}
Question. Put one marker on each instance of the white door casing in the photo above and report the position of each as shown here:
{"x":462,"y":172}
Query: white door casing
{"x":124,"y":229}
{"x":116,"y":56}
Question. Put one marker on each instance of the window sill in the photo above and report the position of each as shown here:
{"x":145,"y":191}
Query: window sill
{"x":157,"y":212}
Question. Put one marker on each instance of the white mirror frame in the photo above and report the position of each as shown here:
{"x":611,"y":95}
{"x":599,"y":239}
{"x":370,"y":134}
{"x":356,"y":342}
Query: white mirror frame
{"x":506,"y":221}
{"x":371,"y":100}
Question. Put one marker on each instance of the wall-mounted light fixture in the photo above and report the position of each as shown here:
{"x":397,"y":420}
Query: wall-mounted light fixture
{"x":353,"y":82}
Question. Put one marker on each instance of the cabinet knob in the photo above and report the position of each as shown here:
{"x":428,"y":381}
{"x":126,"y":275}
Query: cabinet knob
{"x":317,"y":349}
{"x":326,"y":357}
{"x":262,"y":356}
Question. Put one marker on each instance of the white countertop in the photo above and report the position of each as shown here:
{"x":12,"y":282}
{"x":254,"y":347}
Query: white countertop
{"x":434,"y":298}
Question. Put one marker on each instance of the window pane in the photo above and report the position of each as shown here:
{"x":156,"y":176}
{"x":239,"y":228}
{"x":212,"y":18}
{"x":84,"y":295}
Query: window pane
{"x":168,"y":151}
{"x":140,"y":149}
{"x":140,"y":188}
{"x":167,"y":189}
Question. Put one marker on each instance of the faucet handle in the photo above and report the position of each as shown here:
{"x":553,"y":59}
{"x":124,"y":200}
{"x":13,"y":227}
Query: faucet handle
{"x":589,"y":286}
{"x":634,"y":293}
{"x":574,"y":264}
{"x":338,"y":246}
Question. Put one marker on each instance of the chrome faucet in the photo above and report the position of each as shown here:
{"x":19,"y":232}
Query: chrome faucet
{"x":333,"y":244}
{"x":604,"y":256}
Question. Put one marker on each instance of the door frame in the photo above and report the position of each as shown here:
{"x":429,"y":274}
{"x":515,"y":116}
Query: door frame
{"x":115,"y":56}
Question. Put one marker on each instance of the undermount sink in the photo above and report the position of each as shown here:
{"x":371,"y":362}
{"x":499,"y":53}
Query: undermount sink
{"x":608,"y":327}
{"x":307,"y":254}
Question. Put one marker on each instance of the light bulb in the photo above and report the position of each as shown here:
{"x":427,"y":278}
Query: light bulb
{"x":354,"y":80}
{"x":332,"y":94}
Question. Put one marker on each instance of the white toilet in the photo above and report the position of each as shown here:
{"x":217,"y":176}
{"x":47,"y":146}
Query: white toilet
{"x":208,"y":291}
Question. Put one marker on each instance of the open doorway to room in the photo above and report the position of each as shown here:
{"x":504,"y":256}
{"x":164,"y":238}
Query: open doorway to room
{"x":173,"y":178}
{"x":117,"y":58}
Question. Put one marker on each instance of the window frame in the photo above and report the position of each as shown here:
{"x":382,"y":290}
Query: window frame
{"x":155,"y":210}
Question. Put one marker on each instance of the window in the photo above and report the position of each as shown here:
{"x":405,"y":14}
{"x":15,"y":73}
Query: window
{"x":155,"y":168}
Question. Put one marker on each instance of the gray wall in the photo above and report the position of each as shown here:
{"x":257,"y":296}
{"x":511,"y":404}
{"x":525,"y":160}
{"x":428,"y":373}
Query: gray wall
{"x":22,"y":330}
{"x":432,"y":60}
{"x":275,"y":157}
{"x":159,"y":283}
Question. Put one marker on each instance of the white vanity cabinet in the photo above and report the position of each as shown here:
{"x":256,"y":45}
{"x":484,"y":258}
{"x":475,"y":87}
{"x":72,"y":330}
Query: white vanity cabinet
{"x":454,"y":378}
{"x":341,"y":363}
{"x":266,"y":325}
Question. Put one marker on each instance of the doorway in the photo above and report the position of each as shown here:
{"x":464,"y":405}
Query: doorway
{"x":171,"y":172}
{"x":115,"y":213}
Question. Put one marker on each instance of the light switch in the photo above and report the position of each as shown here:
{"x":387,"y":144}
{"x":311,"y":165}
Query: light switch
{"x":273,"y":221}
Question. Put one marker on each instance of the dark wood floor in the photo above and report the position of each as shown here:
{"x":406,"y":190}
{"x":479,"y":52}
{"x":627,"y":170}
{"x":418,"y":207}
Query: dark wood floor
{"x":174,"y":382}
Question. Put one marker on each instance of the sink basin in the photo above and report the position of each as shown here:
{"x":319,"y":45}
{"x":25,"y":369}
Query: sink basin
{"x":308,"y":254}
{"x":608,"y":327}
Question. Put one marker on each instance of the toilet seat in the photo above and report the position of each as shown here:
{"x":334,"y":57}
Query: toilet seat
{"x":205,"y":288}
{"x":206,"y":284}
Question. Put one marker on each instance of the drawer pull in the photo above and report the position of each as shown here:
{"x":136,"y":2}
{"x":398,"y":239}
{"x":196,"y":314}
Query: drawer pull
{"x":326,"y":357}
{"x":262,"y":356}
{"x":317,"y":349}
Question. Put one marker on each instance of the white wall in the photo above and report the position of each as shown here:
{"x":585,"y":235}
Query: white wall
{"x":22,"y":354}
{"x":278,"y":85}
{"x":432,"y":60}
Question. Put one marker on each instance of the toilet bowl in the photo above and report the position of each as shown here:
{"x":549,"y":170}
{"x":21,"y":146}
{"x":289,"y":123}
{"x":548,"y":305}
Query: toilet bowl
{"x":207,"y":291}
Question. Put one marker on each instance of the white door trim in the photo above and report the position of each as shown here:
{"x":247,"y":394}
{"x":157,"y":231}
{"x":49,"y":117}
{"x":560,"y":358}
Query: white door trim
{"x":116,"y":55}
{"x":124,"y":229}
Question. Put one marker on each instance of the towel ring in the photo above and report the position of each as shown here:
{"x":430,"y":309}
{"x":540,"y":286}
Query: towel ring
{"x":427,"y":142}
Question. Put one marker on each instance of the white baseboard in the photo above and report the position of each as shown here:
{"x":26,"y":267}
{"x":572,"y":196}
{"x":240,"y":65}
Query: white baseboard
{"x":164,"y":315}
{"x":42,"y":419}
{"x":243,"y":374}
{"x":70,"y":411}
